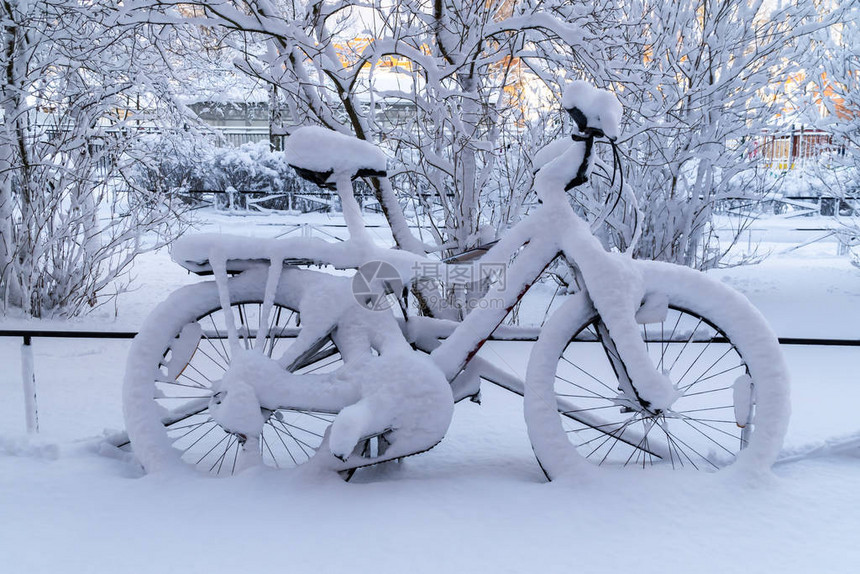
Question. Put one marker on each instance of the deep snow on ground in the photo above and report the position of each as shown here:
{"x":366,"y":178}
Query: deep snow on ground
{"x":476,"y":503}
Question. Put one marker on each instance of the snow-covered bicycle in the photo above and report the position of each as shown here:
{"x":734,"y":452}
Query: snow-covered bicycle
{"x":275,"y":363}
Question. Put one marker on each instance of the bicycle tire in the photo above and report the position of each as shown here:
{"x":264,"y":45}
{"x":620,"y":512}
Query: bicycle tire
{"x":166,"y":405}
{"x":568,"y":423}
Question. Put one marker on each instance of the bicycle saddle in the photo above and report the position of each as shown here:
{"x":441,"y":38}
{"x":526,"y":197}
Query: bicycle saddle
{"x":321,"y":155}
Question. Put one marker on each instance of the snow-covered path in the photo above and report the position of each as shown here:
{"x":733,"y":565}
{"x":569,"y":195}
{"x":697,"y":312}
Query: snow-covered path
{"x":476,"y":503}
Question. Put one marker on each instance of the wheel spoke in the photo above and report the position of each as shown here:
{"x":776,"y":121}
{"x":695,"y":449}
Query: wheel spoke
{"x":199,"y":372}
{"x":595,"y":427}
{"x":318,"y":367}
{"x":637,"y":451}
{"x":606,"y":433}
{"x":301,"y":443}
{"x":193,"y":425}
{"x":269,"y":344}
{"x":686,"y":343}
{"x":723,"y":372}
{"x":693,"y":450}
{"x":277,"y":434}
{"x":277,"y":338}
{"x":268,"y":448}
{"x":588,"y":409}
{"x":220,"y":460}
{"x":586,"y":373}
{"x":674,"y":444}
{"x":586,"y":389}
{"x":689,"y":346}
{"x":213,"y":427}
{"x":195,"y":381}
{"x":225,"y":437}
{"x":317,"y":416}
{"x":664,"y":344}
{"x":244,"y":324}
{"x":301,"y":429}
{"x":217,"y":362}
{"x":672,"y":451}
{"x":236,"y":457}
{"x":703,"y":409}
{"x":717,"y":421}
{"x":193,"y":428}
{"x":712,"y":427}
{"x":611,"y":435}
{"x":178,"y":384}
{"x":696,"y":360}
{"x":569,"y":396}
{"x":220,"y":338}
{"x":707,"y":392}
{"x":709,"y":437}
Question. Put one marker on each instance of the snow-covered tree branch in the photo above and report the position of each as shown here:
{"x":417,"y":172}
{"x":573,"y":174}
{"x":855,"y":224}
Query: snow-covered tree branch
{"x":471,"y":73}
{"x":701,"y":79}
{"x":75,"y":93}
{"x":477,"y":85}
{"x":832,"y":103}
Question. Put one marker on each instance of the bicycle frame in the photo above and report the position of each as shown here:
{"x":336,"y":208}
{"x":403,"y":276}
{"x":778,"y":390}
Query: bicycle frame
{"x":535,"y":251}
{"x":529,"y":241}
{"x":378,"y":387}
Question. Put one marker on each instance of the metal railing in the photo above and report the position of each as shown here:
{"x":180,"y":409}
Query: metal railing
{"x":28,"y":361}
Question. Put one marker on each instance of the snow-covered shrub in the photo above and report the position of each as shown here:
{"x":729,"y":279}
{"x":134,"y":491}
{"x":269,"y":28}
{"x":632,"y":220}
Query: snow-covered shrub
{"x":192,"y":168}
{"x":824,"y":178}
{"x":250,"y":167}
{"x":69,"y":225}
{"x":253,"y":169}
{"x":166,"y":163}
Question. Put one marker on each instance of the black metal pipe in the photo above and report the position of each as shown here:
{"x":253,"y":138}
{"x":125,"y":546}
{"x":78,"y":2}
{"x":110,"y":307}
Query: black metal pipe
{"x":27,"y":334}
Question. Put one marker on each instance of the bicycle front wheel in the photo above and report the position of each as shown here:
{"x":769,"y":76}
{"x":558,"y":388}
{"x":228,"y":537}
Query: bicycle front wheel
{"x":712,"y":344}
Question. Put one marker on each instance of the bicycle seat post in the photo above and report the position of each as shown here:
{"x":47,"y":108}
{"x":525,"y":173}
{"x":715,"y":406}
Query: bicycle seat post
{"x":350,"y":207}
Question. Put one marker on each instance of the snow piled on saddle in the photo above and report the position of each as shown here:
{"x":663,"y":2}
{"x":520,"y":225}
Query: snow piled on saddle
{"x":319,"y":149}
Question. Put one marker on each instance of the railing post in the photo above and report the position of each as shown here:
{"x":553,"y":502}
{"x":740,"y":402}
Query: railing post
{"x":29,"y":379}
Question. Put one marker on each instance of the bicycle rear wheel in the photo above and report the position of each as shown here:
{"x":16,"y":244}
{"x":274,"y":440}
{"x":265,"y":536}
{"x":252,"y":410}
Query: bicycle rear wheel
{"x":182,"y":351}
{"x":714,"y":346}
